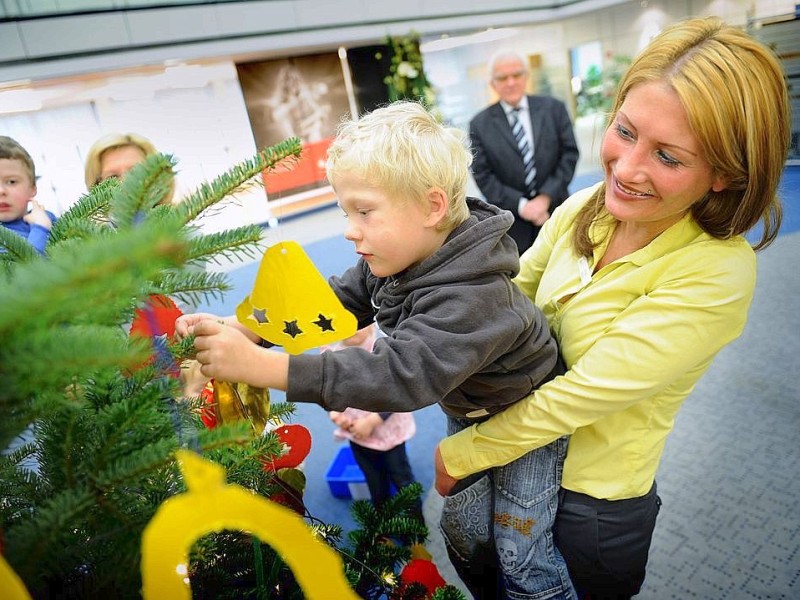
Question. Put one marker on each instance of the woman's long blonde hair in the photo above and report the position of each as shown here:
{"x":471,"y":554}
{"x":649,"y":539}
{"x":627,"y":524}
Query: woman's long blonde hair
{"x":733,"y":89}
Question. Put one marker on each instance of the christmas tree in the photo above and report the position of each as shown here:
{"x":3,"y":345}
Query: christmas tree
{"x":93,"y":416}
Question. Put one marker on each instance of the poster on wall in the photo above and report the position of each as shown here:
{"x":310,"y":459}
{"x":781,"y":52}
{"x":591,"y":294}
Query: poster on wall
{"x":302,"y":96}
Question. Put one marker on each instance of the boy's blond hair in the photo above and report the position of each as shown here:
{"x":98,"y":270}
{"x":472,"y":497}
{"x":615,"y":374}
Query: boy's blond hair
{"x":404,"y":150}
{"x":10,"y":149}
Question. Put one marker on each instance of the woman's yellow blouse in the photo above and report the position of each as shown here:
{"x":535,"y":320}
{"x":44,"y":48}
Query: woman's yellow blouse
{"x":636,"y":336}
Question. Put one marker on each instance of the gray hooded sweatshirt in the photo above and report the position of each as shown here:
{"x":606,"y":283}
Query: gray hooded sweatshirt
{"x":458,"y":332}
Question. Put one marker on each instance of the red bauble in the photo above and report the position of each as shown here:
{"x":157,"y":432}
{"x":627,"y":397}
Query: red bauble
{"x":298,"y":441}
{"x":156,"y":318}
{"x":207,"y":413}
{"x":419,"y":570}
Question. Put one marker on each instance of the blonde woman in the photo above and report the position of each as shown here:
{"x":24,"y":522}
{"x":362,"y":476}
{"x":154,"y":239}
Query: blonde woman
{"x":644,"y":278}
{"x":114,"y":154}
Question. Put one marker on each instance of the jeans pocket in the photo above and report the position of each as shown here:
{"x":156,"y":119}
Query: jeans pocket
{"x":534,"y":477}
{"x":466,"y":518}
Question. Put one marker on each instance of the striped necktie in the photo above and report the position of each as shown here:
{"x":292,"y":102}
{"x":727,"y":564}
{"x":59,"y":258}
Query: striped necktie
{"x":524,"y":148}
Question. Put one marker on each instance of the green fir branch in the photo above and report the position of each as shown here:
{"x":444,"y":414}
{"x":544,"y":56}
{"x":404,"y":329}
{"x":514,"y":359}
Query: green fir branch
{"x":20,"y":487}
{"x":182,"y":349}
{"x":282,"y":411}
{"x":209,"y":194}
{"x":191,"y":286}
{"x":229,"y":245}
{"x":80,"y":230}
{"x":70,"y":350}
{"x":17,"y":247}
{"x":126,"y":426}
{"x":144,"y":188}
{"x":90,"y":210}
{"x":126,"y":470}
{"x":448,"y":592}
{"x":38,"y":542}
{"x":99,"y":271}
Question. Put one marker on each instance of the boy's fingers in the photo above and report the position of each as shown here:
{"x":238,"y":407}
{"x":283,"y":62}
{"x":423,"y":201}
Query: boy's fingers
{"x":207,"y":327}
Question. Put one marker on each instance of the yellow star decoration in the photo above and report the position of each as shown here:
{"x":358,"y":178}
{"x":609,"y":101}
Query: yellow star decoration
{"x":291,"y":304}
{"x":182,"y":519}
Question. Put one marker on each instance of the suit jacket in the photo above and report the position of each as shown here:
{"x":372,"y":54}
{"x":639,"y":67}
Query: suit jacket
{"x":498,"y":169}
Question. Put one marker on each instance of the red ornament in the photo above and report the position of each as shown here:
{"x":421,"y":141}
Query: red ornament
{"x":156,"y":318}
{"x":419,"y":570}
{"x":297,"y":439}
{"x":207,"y":413}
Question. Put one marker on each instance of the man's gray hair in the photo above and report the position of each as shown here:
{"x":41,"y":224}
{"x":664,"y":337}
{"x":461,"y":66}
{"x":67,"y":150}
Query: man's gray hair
{"x":506,"y":55}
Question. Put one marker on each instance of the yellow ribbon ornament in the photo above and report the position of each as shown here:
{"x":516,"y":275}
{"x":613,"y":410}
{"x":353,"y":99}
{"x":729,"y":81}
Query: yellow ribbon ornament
{"x":10,"y":583}
{"x":182,"y":519}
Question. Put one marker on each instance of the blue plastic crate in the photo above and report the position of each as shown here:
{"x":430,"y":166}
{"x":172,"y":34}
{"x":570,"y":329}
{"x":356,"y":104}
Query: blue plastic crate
{"x":345,"y":478}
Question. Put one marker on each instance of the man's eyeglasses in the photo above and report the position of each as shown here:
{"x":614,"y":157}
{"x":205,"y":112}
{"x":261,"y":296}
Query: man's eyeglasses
{"x":507,"y":76}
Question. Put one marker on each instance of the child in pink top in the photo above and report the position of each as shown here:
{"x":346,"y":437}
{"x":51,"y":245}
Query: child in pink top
{"x":377,"y":439}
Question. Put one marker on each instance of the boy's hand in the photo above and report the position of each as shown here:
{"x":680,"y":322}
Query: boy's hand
{"x":184,"y":325}
{"x":225,"y":352}
{"x":38,"y":216}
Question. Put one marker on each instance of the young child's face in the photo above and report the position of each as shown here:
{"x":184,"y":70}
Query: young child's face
{"x":389,"y":234}
{"x":16,"y":189}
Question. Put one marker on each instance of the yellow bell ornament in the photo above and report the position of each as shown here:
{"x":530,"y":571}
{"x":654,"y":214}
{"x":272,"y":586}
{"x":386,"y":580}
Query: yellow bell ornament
{"x":291,"y":305}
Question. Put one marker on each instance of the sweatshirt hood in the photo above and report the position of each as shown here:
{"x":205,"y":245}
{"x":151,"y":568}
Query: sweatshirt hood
{"x":477,"y":247}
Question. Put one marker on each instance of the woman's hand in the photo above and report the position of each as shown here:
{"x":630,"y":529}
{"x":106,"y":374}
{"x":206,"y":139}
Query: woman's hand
{"x":442,"y":479}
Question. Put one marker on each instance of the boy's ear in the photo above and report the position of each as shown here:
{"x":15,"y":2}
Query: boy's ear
{"x":438,"y":205}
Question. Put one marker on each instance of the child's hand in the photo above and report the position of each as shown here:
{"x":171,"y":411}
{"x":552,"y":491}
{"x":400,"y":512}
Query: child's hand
{"x":184,"y":325}
{"x":193,"y":380}
{"x":362,"y":428}
{"x":340,"y":420}
{"x":225,"y":353}
{"x":38,"y":216}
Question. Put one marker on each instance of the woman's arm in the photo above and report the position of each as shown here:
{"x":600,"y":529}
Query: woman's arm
{"x":668,"y":334}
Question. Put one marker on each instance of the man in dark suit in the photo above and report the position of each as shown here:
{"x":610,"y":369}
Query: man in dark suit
{"x":499,"y":167}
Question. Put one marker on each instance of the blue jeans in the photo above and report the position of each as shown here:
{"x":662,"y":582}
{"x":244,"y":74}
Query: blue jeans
{"x":498,"y":527}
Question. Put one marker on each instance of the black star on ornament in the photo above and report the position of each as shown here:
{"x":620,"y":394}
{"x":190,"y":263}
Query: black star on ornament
{"x":292,"y":329}
{"x":324,"y":323}
{"x":260,"y":315}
